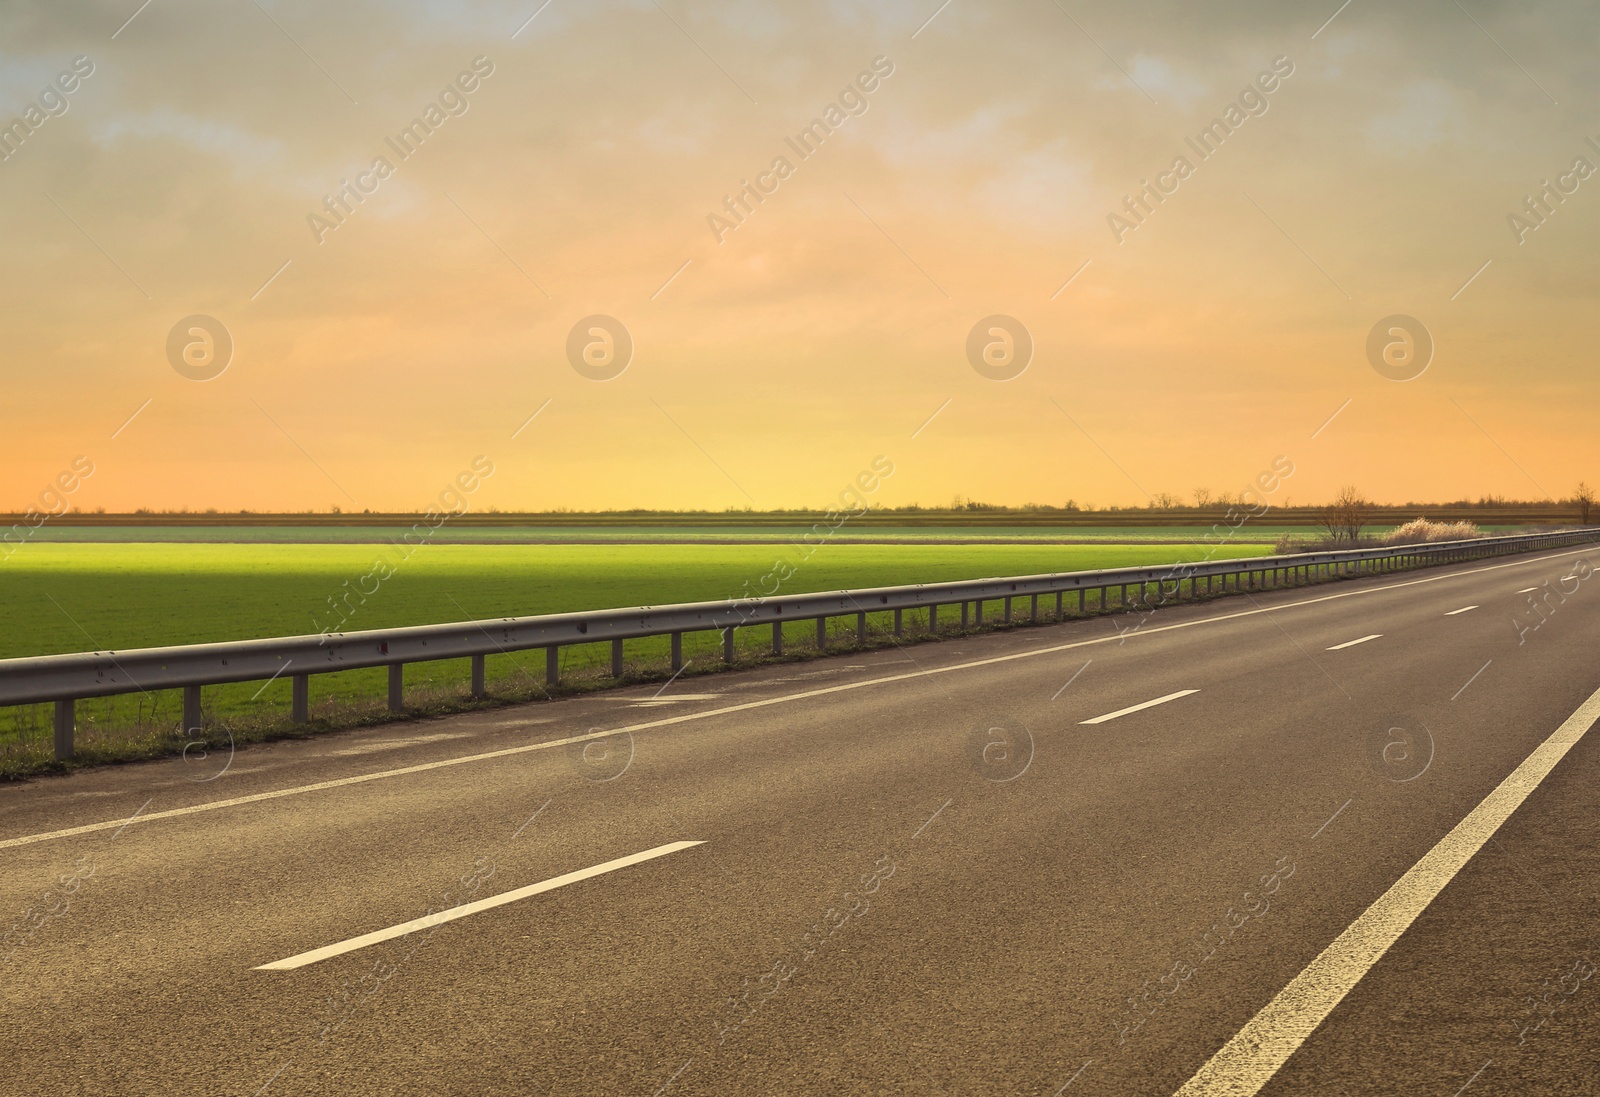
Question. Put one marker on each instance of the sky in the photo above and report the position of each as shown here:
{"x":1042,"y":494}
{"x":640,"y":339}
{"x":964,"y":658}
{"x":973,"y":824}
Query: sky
{"x":1173,"y":313}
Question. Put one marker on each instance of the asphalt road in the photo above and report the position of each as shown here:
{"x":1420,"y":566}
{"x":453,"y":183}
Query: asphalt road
{"x":918,"y":871}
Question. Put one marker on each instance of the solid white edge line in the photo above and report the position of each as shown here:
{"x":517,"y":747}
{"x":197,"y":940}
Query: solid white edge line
{"x":1463,"y":609}
{"x":1353,"y":643}
{"x":440,"y":917}
{"x":651,"y":725}
{"x":1248,"y":1061}
{"x":1140,"y":707}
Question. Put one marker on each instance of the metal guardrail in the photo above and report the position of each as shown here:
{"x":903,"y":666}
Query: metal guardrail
{"x":65,"y":679}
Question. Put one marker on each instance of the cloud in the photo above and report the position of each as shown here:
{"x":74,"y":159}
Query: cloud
{"x":1425,"y":113}
{"x":589,"y":161}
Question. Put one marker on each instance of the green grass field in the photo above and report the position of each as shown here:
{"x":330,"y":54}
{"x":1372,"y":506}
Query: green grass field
{"x":459,"y":533}
{"x":58,"y":598}
{"x":97,"y":597}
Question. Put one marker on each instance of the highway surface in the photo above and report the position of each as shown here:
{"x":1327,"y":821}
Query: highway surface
{"x":1337,"y":840}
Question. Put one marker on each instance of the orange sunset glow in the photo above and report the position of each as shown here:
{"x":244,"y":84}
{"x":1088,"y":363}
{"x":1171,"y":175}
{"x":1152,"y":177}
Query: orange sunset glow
{"x":797,"y":215}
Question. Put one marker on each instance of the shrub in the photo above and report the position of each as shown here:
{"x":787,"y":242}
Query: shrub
{"x":1422,"y":531}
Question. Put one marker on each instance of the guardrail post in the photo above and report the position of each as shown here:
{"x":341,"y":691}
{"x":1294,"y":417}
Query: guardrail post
{"x":478,"y":689}
{"x":727,"y":644}
{"x":1008,"y":611}
{"x":1082,"y":601}
{"x":677,"y":652}
{"x":66,"y":721}
{"x":616,"y":658}
{"x":933,"y":618}
{"x":300,"y":704}
{"x":822,"y":633}
{"x":777,"y":637}
{"x":861,"y":629}
{"x":978,"y":606}
{"x":898,"y":625}
{"x":397,"y":700}
{"x":964,"y":617}
{"x":1033,"y":608}
{"x":191,"y":709}
{"x":552,"y":664}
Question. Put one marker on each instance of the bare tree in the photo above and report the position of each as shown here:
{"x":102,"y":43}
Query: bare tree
{"x":1202,"y":497}
{"x":1344,"y":518}
{"x":1164,"y":500}
{"x":1328,"y":519}
{"x":1354,"y":510}
{"x":1584,"y":497}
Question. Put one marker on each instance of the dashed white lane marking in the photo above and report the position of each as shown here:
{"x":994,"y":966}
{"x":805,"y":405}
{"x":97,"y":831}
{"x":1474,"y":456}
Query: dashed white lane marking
{"x":667,"y":702}
{"x":1248,"y":1061}
{"x":804,"y":695}
{"x":1463,"y":609}
{"x":1140,"y":707}
{"x":1353,"y":643}
{"x":427,"y":921}
{"x":396,"y":744}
